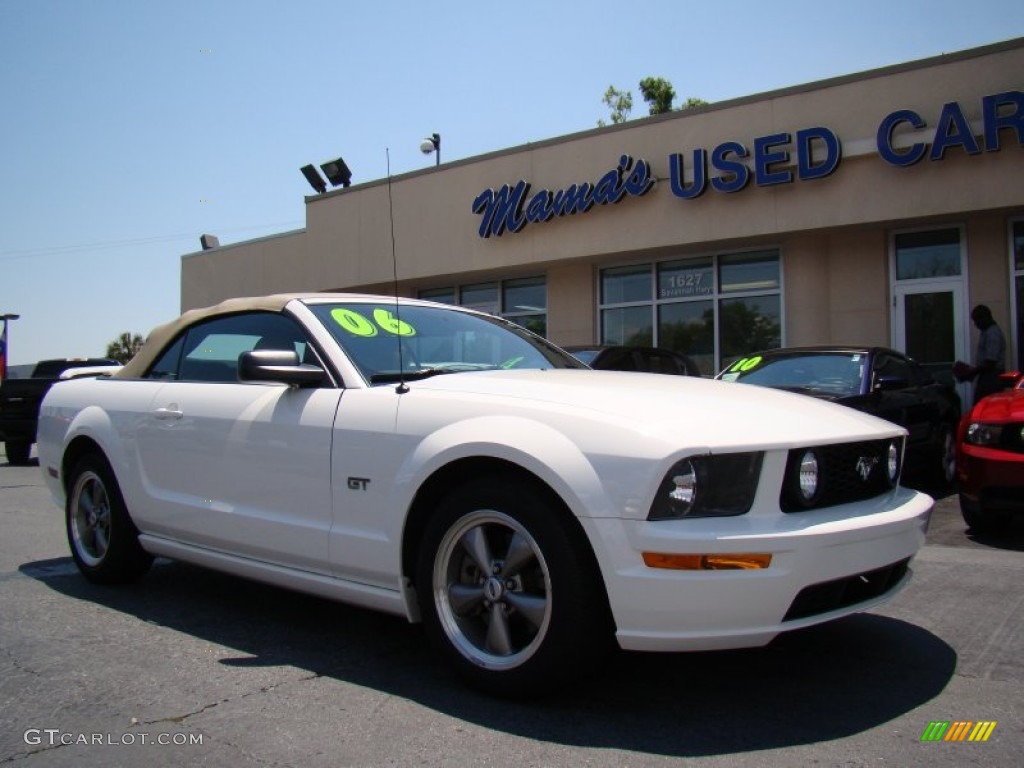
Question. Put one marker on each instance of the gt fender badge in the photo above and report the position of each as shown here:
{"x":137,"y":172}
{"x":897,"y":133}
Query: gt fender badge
{"x":358,"y":483}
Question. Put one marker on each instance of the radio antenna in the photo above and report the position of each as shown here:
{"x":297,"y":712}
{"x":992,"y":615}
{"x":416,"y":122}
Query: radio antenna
{"x":402,"y":387}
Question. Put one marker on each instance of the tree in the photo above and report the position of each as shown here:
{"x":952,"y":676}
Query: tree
{"x":619,"y":102}
{"x":124,"y":347}
{"x":658,"y":93}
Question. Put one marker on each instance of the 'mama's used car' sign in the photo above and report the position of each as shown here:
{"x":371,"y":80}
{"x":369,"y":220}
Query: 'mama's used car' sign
{"x":775,"y":159}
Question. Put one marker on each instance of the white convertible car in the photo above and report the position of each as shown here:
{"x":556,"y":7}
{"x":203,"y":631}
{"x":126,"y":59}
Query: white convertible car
{"x":450,"y":467}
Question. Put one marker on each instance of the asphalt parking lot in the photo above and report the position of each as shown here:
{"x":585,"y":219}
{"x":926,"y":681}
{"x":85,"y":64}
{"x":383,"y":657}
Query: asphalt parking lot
{"x":193,"y":667}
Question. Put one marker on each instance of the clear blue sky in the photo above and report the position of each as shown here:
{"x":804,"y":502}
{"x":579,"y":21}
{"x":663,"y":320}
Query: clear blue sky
{"x":129,"y":129}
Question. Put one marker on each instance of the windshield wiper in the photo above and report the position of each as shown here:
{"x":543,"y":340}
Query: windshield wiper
{"x":797,"y":388}
{"x":393,"y":377}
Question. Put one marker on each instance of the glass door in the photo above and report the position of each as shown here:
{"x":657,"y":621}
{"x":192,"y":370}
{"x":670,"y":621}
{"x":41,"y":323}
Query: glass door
{"x":927,"y":323}
{"x":930,"y":321}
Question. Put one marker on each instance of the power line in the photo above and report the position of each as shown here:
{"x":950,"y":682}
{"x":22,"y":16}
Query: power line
{"x":61,"y":250}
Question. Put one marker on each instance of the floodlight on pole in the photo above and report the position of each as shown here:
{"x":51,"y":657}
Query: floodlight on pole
{"x":337,"y":173}
{"x":314,"y":179}
{"x":432,"y":144}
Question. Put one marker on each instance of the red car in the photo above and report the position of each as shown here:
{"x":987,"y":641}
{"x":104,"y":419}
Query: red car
{"x":990,"y":459}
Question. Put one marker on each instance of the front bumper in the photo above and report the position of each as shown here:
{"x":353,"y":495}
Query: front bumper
{"x":825,"y":564}
{"x":991,"y":479}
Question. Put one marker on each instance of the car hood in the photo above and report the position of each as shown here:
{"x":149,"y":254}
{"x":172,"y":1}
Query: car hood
{"x":1000,"y":407}
{"x":704,"y":411}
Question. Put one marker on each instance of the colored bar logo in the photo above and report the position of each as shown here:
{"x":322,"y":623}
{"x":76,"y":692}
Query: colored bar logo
{"x":959,"y":730}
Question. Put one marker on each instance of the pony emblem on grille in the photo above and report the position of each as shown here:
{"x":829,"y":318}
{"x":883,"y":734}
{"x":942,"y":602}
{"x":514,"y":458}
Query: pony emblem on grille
{"x":864,"y":466}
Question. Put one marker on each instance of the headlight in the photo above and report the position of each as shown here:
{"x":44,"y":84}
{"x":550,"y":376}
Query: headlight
{"x":685,"y":493}
{"x":708,"y":486}
{"x":809,"y":479}
{"x":979,"y":433}
{"x":892,"y":462}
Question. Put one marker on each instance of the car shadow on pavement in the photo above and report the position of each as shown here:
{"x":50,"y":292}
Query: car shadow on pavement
{"x":1010,"y":538}
{"x":811,"y":685}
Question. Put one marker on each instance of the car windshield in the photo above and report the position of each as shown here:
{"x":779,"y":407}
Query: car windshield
{"x":390,"y":343}
{"x":817,"y":373}
{"x":585,"y":355}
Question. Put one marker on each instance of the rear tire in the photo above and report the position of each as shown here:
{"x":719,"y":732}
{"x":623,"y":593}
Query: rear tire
{"x":508,"y":592}
{"x":104,"y":540}
{"x":17,"y":452}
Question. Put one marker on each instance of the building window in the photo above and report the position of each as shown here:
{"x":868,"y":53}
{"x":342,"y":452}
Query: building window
{"x":440,"y":295}
{"x":523,"y":301}
{"x":482,"y":297}
{"x":1018,"y":278}
{"x":922,"y":255}
{"x":626,"y":284}
{"x":928,"y":297}
{"x":712,"y":308}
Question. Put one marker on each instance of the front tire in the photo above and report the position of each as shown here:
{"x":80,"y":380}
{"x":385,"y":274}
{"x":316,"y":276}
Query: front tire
{"x":508,"y":589}
{"x":104,"y":540}
{"x":983,"y":522}
{"x":944,"y":468}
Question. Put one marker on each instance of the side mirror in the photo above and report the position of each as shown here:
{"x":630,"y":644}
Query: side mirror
{"x":1011,"y":379}
{"x":890,"y":383}
{"x":277,"y":365}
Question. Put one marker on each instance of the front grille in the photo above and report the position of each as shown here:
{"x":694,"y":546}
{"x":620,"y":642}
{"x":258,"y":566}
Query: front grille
{"x":1012,"y":438}
{"x":842,"y":593}
{"x":847,"y":472}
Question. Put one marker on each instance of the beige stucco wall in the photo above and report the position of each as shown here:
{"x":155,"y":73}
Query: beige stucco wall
{"x":277,"y":264}
{"x":572,"y":288}
{"x":833,"y":232}
{"x":990,"y":264}
{"x":858,"y":288}
{"x":806,"y":288}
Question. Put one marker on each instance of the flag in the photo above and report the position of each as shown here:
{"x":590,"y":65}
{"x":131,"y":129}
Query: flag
{"x":3,"y":352}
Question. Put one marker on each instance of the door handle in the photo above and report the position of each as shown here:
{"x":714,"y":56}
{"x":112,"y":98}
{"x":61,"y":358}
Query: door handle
{"x":170,"y":412}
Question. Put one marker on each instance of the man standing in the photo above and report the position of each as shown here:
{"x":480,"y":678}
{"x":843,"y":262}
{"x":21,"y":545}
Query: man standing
{"x":990,"y":358}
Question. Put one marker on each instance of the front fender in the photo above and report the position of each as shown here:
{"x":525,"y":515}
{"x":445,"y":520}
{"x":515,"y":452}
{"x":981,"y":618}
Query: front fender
{"x":533,"y":445}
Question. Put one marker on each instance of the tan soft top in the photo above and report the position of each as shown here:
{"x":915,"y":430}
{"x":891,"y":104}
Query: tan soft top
{"x":162,"y":334}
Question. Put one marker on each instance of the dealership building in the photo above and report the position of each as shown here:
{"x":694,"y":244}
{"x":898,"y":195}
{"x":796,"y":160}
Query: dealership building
{"x":870,"y":209}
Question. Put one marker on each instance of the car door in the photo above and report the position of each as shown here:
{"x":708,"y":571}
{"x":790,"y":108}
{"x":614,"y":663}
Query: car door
{"x":238,"y":467}
{"x":899,"y":396}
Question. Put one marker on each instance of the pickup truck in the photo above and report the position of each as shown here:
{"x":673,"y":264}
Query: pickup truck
{"x":20,"y":400}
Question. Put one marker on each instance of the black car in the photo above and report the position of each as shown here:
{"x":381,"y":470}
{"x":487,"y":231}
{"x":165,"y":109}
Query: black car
{"x":876,"y":380}
{"x":643,"y":359}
